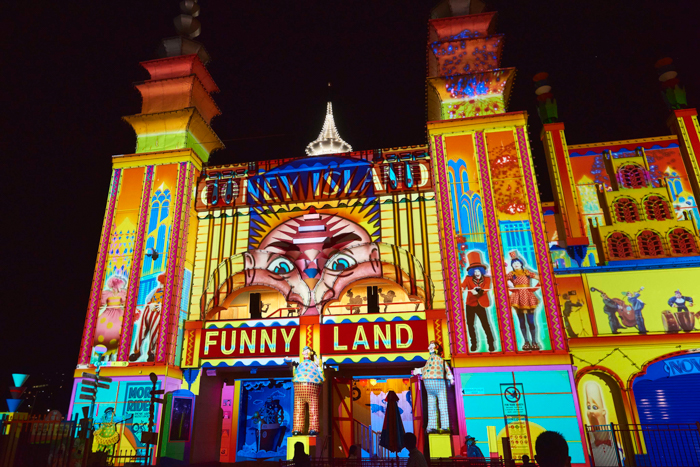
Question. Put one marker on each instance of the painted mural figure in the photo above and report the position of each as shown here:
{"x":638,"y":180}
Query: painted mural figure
{"x":523,"y":299}
{"x":601,"y":436}
{"x":312,"y":258}
{"x":680,"y":302}
{"x":637,"y":306}
{"x":107,"y":436}
{"x":355,"y":301}
{"x":308,"y":379}
{"x":610,"y":308}
{"x":477,"y":285}
{"x":568,"y":309}
{"x":149,"y":327}
{"x":387,"y":298}
{"x":434,"y":374}
{"x":109,"y":323}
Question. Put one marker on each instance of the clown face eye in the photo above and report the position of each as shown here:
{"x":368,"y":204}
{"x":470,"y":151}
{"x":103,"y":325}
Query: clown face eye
{"x":341,"y":262}
{"x":280,"y":265}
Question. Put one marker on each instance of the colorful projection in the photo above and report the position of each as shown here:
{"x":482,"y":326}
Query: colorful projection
{"x":520,"y":405}
{"x":313,"y":257}
{"x":149,"y":304}
{"x":119,"y":261}
{"x":598,"y":409}
{"x":265,"y":419}
{"x":122,"y":412}
{"x":638,"y":302}
{"x":574,"y":305}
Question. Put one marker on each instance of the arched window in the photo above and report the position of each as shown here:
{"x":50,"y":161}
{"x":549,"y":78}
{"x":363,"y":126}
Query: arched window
{"x":682,"y":242}
{"x":632,"y":176}
{"x":625,"y":210}
{"x":620,"y":246}
{"x":649,"y":243}
{"x":657,"y":208}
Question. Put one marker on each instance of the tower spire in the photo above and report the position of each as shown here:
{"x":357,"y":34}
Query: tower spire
{"x":329,"y":140}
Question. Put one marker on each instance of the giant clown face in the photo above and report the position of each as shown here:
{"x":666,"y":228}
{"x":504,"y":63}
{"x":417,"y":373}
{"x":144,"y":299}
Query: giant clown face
{"x":312,"y":258}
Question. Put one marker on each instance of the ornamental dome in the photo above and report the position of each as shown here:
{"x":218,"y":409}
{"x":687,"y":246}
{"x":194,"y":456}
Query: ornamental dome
{"x":329,"y":140}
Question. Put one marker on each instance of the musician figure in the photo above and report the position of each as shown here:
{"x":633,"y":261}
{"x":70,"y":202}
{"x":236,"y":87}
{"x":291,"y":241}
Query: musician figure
{"x":680,"y":302}
{"x":610,"y":308}
{"x":637,"y":305}
{"x":568,"y":309}
{"x":685,"y":316}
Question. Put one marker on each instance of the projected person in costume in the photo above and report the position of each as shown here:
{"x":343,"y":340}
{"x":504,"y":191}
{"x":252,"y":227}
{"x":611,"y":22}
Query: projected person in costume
{"x":107,"y":436}
{"x":569,"y":306}
{"x":523,"y":299}
{"x":433,"y":374}
{"x":149,"y":325}
{"x":637,"y":306}
{"x":312,"y":258}
{"x":597,"y":414}
{"x":308,"y":379}
{"x":109,"y":323}
{"x":680,"y":302}
{"x":477,"y":285}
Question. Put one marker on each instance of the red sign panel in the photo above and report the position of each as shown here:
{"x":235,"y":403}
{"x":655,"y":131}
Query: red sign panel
{"x":227,"y":343}
{"x":392,"y":337}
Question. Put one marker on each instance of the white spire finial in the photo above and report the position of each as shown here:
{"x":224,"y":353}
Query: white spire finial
{"x":329,"y":140}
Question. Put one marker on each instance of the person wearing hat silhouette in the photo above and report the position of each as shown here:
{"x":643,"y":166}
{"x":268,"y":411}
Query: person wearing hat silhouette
{"x":477,"y":285}
{"x":523,"y":299}
{"x":308,"y":379}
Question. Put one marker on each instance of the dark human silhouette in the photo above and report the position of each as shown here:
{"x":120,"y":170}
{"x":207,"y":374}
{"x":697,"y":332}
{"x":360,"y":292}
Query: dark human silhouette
{"x":300,"y":459}
{"x":552,"y":450}
{"x":415,"y":457}
{"x":526,"y":461}
{"x":352,"y":452}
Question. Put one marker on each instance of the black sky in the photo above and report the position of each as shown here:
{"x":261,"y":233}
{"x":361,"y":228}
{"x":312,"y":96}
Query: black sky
{"x":67,"y":75}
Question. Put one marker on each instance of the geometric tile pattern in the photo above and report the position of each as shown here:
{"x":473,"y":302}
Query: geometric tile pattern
{"x":171,"y":268}
{"x":132,"y":292}
{"x":98,"y":277}
{"x":542,"y":252}
{"x":494,"y":242}
{"x":453,"y":292}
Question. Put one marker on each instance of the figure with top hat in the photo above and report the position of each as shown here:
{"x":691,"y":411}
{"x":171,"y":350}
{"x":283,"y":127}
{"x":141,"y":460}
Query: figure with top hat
{"x":308,"y":379}
{"x":523,"y":299}
{"x":477,"y":285}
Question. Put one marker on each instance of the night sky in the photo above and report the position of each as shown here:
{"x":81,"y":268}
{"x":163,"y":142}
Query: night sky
{"x":67,"y":80}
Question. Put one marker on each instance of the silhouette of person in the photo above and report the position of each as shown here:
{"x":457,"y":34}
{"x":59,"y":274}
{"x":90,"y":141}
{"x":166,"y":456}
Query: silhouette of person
{"x":552,"y":450}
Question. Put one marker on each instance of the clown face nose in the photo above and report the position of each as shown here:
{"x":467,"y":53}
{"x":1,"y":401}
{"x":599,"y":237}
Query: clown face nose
{"x":311,"y":282}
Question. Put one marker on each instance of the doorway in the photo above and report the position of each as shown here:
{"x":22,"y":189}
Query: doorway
{"x":369,"y":409}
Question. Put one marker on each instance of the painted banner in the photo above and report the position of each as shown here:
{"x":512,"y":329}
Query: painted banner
{"x":250,"y":342}
{"x":404,"y":336}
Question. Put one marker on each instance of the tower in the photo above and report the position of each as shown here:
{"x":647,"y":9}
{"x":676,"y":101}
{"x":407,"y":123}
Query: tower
{"x":499,"y":283}
{"x":144,"y":262}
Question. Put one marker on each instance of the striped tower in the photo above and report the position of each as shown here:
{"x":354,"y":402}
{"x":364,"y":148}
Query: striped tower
{"x":136,"y":307}
{"x":499,"y":285}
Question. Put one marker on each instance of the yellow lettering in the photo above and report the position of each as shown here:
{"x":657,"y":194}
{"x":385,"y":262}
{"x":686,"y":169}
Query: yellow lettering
{"x":399,"y":343}
{"x":360,"y":338}
{"x":231,"y":349}
{"x":384,"y":336}
{"x":336,"y":343}
{"x":248,"y":341}
{"x":288,"y":338}
{"x":271,"y":343}
{"x":209,"y":341}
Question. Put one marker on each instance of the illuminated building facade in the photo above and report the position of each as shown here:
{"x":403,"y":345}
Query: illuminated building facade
{"x":213,"y":277}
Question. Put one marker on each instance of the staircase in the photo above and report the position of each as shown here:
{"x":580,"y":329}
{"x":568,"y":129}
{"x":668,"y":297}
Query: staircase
{"x":369,"y":440}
